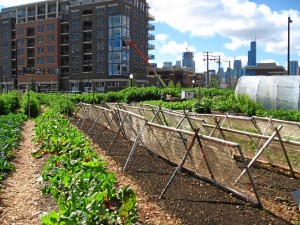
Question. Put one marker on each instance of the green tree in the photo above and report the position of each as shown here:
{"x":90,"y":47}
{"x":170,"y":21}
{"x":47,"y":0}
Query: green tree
{"x":171,"y":84}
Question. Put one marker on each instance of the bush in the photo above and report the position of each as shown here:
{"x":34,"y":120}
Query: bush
{"x":9,"y":103}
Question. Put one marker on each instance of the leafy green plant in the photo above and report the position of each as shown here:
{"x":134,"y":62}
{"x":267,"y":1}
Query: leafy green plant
{"x":9,"y":103}
{"x":10,"y":134}
{"x":32,"y":106}
{"x":78,"y":179}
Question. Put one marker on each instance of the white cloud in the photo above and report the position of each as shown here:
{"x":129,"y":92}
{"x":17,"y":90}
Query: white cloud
{"x":175,"y":48}
{"x":238,"y":20}
{"x":161,"y":37}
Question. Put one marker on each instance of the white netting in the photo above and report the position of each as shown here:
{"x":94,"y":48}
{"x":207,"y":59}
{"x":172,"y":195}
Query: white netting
{"x":273,"y":92}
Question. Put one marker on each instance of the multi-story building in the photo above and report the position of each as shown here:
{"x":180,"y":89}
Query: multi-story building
{"x":75,"y":45}
{"x":167,"y":65}
{"x":188,"y":61}
{"x":293,"y":67}
{"x":237,"y":68}
{"x":267,"y":69}
{"x":252,"y":54}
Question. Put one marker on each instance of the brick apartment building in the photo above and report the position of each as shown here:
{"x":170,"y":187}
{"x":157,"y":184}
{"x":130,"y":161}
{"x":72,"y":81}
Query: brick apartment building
{"x":74,"y":45}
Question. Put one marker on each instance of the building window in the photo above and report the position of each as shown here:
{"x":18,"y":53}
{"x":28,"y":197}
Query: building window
{"x":40,"y":50}
{"x":40,"y":60}
{"x":5,"y":34}
{"x":50,"y":48}
{"x":75,"y":36}
{"x":5,"y":44}
{"x":50,"y":37}
{"x":75,"y":14}
{"x":127,"y":10}
{"x":98,"y":57}
{"x":75,"y":25}
{"x":40,"y":28}
{"x":5,"y":54}
{"x":100,"y":10}
{"x":102,"y":57}
{"x":50,"y":27}
{"x":75,"y":47}
{"x":40,"y":38}
{"x":21,"y":31}
{"x":20,"y":51}
{"x":112,"y":8}
{"x":50,"y":59}
{"x":100,"y":22}
{"x":20,"y":42}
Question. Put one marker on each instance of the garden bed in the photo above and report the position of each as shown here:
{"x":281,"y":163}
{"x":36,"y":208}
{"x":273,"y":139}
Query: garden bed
{"x":194,"y":201}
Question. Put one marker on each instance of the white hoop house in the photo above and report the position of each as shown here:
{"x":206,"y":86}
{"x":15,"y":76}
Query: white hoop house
{"x":273,"y":92}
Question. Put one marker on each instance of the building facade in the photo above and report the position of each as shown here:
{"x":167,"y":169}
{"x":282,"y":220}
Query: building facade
{"x":252,"y":54}
{"x":237,"y":68}
{"x":188,"y":61}
{"x":75,"y":45}
{"x":267,"y":69}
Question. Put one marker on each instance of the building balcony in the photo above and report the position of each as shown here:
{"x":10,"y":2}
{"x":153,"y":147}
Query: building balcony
{"x":150,"y":17}
{"x":151,"y":47}
{"x":87,"y":40}
{"x":150,"y":26}
{"x":151,"y":37}
{"x":151,"y":56}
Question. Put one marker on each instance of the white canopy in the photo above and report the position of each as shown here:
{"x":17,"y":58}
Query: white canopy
{"x":273,"y":92}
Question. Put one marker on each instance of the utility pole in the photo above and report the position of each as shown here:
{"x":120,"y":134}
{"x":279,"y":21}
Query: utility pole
{"x":288,"y":59}
{"x":229,"y":73}
{"x":207,"y":57}
{"x":1,"y":73}
{"x":15,"y":82}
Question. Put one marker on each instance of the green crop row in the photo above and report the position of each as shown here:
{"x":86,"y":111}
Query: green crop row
{"x":9,"y":103}
{"x":10,"y":134}
{"x":78,"y":179}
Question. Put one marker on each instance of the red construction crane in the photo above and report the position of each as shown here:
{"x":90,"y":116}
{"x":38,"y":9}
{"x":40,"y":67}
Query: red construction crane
{"x":132,"y":44}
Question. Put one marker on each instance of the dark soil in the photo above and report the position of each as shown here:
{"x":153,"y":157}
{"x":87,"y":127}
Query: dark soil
{"x":195,"y":201}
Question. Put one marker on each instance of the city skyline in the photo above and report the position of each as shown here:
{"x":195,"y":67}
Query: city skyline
{"x":223,"y":27}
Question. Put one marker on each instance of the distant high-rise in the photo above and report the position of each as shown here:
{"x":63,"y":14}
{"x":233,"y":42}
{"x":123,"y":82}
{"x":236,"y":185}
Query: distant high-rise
{"x":167,"y":65}
{"x":188,"y":60}
{"x":178,"y":64}
{"x":293,"y":67}
{"x":237,"y":68}
{"x":252,"y":54}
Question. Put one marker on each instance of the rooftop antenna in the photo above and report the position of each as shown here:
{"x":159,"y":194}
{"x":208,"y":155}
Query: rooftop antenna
{"x":187,"y":47}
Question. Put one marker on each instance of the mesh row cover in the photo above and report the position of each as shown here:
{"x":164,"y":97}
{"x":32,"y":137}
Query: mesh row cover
{"x":210,"y":158}
{"x":273,"y":92}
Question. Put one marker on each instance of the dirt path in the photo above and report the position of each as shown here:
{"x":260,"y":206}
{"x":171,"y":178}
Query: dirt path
{"x":21,"y":201}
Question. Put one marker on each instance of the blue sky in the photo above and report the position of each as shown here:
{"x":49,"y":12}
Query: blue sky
{"x":223,"y":27}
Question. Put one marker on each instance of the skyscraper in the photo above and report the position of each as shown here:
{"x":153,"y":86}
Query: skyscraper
{"x":188,"y":61}
{"x":237,"y":68}
{"x":293,"y":67}
{"x":252,"y":54}
{"x":73,"y":43}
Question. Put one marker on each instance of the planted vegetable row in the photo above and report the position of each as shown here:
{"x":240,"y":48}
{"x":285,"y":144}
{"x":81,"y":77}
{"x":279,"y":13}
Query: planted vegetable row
{"x":10,"y":134}
{"x":78,"y":179}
